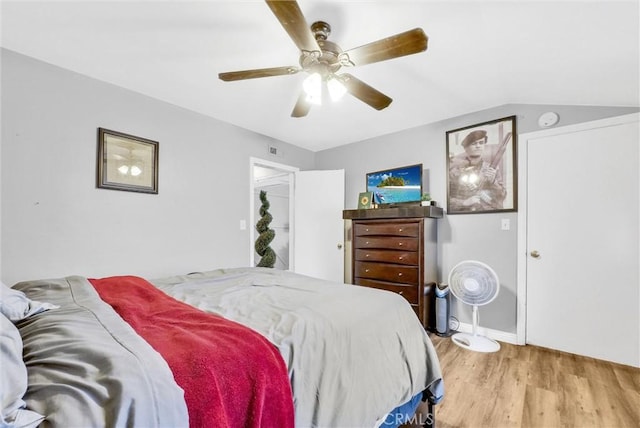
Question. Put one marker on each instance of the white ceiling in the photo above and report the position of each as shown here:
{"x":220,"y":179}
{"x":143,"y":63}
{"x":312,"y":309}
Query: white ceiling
{"x":481,"y":54}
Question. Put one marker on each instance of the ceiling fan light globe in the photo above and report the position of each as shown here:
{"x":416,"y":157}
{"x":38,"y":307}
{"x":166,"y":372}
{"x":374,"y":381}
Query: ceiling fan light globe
{"x":336,"y":88}
{"x":312,"y":86}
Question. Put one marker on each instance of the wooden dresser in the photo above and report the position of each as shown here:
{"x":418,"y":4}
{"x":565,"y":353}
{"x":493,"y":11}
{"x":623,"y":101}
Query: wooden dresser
{"x":394,"y":249}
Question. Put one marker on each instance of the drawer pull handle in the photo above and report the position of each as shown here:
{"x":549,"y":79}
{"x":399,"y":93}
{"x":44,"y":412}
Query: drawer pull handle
{"x":400,"y":274}
{"x":400,"y":230}
{"x":366,"y":255}
{"x":400,"y":244}
{"x":400,"y":258}
{"x":366,"y":270}
{"x":400,"y":292}
{"x":366,"y":243}
{"x":366,"y":230}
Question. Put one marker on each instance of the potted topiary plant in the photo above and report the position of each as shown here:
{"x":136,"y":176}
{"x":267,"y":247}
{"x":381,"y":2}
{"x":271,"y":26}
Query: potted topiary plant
{"x":268,"y":256}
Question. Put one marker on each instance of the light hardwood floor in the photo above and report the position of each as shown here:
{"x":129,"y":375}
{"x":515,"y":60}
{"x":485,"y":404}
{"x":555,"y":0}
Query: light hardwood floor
{"x":528,"y":386}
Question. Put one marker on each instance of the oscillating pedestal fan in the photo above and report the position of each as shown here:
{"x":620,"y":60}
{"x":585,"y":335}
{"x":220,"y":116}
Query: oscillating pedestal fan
{"x":474,"y":283}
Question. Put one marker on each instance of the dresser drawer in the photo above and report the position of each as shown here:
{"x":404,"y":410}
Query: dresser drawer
{"x":386,"y":272}
{"x":391,"y":243}
{"x":388,"y":256}
{"x":409,"y":292}
{"x":386,"y":229}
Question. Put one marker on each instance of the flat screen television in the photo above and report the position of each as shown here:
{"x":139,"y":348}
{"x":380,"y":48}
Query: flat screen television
{"x":396,"y":185}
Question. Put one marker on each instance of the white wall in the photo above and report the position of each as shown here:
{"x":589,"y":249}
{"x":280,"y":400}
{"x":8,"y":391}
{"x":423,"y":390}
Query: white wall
{"x":55,"y":222}
{"x":463,"y":236}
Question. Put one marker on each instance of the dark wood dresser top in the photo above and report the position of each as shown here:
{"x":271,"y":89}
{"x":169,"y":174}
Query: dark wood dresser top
{"x":396,"y":212}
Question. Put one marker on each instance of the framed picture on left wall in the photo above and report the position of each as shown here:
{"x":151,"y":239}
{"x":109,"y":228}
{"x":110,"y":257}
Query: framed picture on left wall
{"x":126,"y":162}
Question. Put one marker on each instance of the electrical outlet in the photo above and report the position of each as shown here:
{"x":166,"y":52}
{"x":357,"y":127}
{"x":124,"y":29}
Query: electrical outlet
{"x":506,"y":224}
{"x":243,"y":224}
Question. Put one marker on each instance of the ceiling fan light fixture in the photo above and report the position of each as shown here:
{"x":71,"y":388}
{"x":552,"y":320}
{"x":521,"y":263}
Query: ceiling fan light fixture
{"x":324,"y":57}
{"x":336,"y":88}
{"x":312,"y":86}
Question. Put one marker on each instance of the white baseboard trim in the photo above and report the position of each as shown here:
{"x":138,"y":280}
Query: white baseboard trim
{"x":500,"y":336}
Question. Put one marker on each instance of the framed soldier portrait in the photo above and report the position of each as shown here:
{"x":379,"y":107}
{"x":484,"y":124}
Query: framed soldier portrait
{"x":481,"y":166}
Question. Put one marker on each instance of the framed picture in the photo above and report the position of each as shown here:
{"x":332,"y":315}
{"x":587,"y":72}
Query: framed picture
{"x":126,"y":162}
{"x":365,"y":200}
{"x":481,"y":165}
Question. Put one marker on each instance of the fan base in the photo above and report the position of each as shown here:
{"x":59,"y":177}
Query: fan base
{"x":475,"y":343}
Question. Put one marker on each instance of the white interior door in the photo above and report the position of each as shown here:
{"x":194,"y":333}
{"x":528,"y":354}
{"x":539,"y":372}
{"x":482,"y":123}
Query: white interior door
{"x":319,"y":228}
{"x":582,"y":234}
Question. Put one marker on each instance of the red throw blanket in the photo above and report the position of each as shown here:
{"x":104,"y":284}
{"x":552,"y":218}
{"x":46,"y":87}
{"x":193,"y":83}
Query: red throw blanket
{"x":231,"y":375}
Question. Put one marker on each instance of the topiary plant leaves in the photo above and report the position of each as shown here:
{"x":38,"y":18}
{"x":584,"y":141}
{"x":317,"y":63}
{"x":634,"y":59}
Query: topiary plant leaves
{"x":268,"y":256}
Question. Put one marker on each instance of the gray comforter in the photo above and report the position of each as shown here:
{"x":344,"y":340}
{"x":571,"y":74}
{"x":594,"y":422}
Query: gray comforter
{"x":353,"y":353}
{"x":88,"y":368}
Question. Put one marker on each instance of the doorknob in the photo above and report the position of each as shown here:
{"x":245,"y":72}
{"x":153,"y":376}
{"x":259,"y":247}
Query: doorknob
{"x":339,"y":246}
{"x":535,"y":254}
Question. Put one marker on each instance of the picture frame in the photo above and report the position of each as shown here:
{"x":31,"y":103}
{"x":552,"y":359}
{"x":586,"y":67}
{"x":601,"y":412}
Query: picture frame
{"x":365,"y":200}
{"x":126,"y":162}
{"x":481,"y":167}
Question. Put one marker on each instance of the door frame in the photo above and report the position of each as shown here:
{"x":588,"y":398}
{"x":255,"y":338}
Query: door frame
{"x":290,"y":171}
{"x":522,"y":259}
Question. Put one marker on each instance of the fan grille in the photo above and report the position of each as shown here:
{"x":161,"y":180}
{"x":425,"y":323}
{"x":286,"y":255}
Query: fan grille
{"x":473,"y":282}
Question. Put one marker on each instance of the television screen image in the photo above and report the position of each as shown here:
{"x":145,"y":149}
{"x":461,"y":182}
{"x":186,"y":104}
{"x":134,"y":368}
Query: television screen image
{"x":396,"y":185}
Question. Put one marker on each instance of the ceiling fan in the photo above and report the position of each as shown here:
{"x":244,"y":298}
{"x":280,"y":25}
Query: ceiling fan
{"x":322,"y":58}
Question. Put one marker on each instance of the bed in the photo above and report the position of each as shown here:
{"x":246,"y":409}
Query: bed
{"x":244,"y":347}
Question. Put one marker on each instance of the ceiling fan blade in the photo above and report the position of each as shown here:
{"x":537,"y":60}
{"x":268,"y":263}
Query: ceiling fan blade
{"x":259,"y":72}
{"x":407,"y":43}
{"x":291,"y":18}
{"x":364,"y":92}
{"x":302,"y":107}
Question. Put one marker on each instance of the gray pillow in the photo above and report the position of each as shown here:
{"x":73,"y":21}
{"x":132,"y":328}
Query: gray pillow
{"x":15,"y":305}
{"x":13,"y":380}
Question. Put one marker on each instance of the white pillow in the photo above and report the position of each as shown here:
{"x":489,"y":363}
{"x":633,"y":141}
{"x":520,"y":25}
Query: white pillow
{"x":13,"y":380}
{"x":15,"y":305}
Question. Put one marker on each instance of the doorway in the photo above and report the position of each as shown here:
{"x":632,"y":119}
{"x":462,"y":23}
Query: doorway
{"x":308,"y":222}
{"x":277,"y":180}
